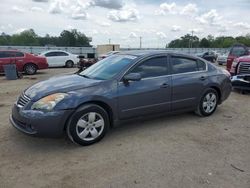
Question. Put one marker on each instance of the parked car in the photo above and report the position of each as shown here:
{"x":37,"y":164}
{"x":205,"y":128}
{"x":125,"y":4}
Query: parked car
{"x":236,"y":51}
{"x":107,"y":54}
{"x":240,"y":70}
{"x":209,"y":56}
{"x":24,"y":62}
{"x":58,"y":58}
{"x":123,"y":86}
{"x":222,"y":58}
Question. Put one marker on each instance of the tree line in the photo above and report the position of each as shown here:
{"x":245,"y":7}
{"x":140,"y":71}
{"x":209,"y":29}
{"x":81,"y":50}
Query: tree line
{"x":72,"y":38}
{"x":189,"y":41}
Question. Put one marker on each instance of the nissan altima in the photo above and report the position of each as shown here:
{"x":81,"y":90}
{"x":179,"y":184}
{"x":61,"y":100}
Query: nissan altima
{"x":120,"y":87}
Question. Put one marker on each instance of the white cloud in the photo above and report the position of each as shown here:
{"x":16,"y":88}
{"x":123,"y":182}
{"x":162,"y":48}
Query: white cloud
{"x":132,"y":35}
{"x":190,"y":9}
{"x":40,"y":1}
{"x":242,"y":25}
{"x":127,"y":13}
{"x":20,"y":30}
{"x":56,"y":7}
{"x":103,"y":23}
{"x":79,"y":13}
{"x":211,"y":17}
{"x":36,"y":9}
{"x":110,"y":4}
{"x":176,"y":28}
{"x":161,"y":35}
{"x":168,"y":8}
{"x":18,"y":9}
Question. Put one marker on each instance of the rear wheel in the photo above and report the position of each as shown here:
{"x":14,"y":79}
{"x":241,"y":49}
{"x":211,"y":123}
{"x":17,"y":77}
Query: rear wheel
{"x":208,"y":103}
{"x":30,"y":69}
{"x":88,"y":125}
{"x":69,"y":64}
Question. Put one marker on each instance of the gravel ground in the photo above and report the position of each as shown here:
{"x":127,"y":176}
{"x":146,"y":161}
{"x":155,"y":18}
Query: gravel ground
{"x":175,"y":151}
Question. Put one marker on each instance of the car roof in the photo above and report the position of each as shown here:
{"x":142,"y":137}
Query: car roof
{"x":11,"y":51}
{"x":142,"y":53}
{"x":55,"y":51}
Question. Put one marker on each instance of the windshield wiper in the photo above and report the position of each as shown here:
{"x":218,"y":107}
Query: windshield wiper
{"x":85,"y":76}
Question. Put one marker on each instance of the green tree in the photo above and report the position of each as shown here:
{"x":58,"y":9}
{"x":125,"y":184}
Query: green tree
{"x":27,"y":37}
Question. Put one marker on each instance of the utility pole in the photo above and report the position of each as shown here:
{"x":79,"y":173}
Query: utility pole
{"x":140,"y":42}
{"x":109,"y":41}
{"x":192,"y":39}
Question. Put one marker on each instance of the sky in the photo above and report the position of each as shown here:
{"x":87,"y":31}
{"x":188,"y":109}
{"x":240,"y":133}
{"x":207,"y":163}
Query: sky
{"x":123,"y":22}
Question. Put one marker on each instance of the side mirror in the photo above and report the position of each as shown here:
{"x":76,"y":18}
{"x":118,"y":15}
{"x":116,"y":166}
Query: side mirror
{"x":132,"y":77}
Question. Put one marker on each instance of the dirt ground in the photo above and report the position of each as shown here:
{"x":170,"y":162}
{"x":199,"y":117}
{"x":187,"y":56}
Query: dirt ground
{"x":176,"y":151}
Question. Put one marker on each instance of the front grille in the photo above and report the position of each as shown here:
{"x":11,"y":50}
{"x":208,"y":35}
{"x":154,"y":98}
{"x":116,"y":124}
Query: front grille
{"x":244,"y":68}
{"x":23,"y":100}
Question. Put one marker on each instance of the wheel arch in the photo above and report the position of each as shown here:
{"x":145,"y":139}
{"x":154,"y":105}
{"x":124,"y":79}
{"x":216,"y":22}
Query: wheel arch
{"x":217,"y":89}
{"x":102,"y":104}
{"x":30,"y":63}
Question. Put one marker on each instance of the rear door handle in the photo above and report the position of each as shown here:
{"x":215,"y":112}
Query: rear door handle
{"x":203,"y":78}
{"x":165,"y":85}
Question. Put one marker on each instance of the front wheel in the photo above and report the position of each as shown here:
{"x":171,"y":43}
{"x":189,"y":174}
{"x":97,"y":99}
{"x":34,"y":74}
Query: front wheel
{"x":88,"y":125}
{"x":208,"y":103}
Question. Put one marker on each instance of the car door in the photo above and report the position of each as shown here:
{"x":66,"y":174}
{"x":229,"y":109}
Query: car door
{"x":19,"y":59}
{"x":189,"y":79}
{"x":62,"y":57}
{"x":152,"y":94}
{"x":5,"y":58}
{"x":51,"y":59}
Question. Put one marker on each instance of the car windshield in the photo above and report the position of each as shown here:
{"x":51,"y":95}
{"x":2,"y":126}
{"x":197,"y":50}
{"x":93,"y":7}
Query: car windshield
{"x":108,"y":67}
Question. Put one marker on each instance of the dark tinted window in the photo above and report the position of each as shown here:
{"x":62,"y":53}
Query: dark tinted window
{"x":4,"y":54}
{"x":238,"y":51}
{"x":61,"y":54}
{"x":152,"y":67}
{"x":183,"y":65}
{"x":50,"y":54}
{"x":201,"y":65}
{"x":19,"y":54}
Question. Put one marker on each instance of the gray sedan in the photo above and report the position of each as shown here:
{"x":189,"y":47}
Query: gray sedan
{"x":120,"y":87}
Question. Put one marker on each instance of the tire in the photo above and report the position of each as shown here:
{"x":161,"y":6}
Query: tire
{"x":69,"y":64}
{"x":208,"y":103}
{"x":88,"y":125}
{"x":30,"y":69}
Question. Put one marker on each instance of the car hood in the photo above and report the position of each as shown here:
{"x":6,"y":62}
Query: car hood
{"x":244,"y":58}
{"x":59,"y":84}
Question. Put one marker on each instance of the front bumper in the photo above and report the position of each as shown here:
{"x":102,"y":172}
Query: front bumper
{"x":241,"y":82}
{"x":49,"y":124}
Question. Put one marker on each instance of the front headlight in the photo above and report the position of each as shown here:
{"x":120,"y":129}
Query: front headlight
{"x":234,"y":64}
{"x":49,"y":102}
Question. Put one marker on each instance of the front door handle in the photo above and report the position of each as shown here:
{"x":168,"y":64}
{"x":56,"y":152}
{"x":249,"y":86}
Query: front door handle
{"x":165,"y":85}
{"x":203,"y":78}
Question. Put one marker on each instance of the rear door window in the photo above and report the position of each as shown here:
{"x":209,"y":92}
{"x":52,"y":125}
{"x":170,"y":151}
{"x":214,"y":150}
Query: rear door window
{"x":50,"y":54}
{"x":61,"y":54}
{"x":183,"y":65}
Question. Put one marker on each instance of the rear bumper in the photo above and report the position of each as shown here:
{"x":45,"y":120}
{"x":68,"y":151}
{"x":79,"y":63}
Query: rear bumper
{"x":50,"y":124}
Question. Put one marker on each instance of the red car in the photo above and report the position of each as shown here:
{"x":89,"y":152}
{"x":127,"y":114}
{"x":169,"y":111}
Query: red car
{"x":241,"y":65}
{"x":241,"y":71}
{"x":236,"y":51}
{"x":25,"y":62}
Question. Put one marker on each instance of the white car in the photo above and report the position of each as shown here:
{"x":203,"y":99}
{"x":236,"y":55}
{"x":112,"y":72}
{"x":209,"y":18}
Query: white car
{"x":58,"y":58}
